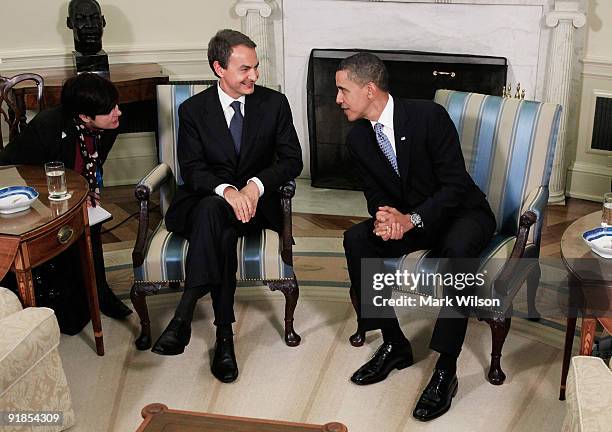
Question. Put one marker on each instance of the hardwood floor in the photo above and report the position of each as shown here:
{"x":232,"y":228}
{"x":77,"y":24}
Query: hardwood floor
{"x":120,"y":201}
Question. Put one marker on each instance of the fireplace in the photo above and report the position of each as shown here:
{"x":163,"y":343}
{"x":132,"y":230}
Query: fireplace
{"x":412,"y":74}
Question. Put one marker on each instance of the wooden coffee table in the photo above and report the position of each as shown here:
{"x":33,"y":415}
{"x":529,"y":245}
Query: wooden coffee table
{"x":590,"y":278}
{"x":158,"y":418}
{"x":31,"y":237}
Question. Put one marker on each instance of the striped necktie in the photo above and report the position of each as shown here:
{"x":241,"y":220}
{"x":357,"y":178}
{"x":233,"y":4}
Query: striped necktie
{"x":385,"y":146}
{"x":235,"y":125}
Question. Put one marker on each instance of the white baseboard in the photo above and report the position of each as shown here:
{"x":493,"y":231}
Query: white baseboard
{"x":588,"y":181}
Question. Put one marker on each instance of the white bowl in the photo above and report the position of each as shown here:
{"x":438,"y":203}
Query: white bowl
{"x":599,"y":240}
{"x":14,"y":199}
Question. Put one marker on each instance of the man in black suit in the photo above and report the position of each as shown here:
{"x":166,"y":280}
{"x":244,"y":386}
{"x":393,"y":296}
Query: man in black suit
{"x":236,"y":147}
{"x":420,"y":196}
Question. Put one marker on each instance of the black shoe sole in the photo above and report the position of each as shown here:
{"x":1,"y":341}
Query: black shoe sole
{"x":401,"y":365}
{"x":444,"y":411}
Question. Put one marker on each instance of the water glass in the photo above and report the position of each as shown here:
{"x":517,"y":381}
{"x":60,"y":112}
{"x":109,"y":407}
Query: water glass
{"x":56,"y":179}
{"x":606,"y":214}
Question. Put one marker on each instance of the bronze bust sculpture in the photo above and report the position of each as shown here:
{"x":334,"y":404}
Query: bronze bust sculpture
{"x":87,"y":23}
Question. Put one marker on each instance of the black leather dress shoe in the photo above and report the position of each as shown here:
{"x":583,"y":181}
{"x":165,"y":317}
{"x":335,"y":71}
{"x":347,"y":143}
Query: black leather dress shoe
{"x":437,"y":396}
{"x":224,"y":366}
{"x":388,"y":356}
{"x":111,"y":306}
{"x":174,"y":339}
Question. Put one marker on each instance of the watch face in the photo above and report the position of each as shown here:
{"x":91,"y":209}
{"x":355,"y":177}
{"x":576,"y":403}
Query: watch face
{"x":415,"y":219}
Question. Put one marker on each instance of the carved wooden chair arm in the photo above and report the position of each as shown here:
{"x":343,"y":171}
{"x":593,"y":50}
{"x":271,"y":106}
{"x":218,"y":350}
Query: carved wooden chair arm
{"x":287,"y":192}
{"x":515,"y":267}
{"x":149,"y":184}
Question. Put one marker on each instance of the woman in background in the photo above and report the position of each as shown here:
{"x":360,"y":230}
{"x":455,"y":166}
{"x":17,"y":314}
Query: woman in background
{"x":80,"y":132}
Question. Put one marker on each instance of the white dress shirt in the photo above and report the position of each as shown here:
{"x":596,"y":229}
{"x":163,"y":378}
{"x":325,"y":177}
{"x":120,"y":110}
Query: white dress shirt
{"x":226,"y":102}
{"x":386,"y":119}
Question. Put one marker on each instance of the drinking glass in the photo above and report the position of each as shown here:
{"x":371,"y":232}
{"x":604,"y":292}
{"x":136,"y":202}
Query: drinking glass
{"x":606,"y":214}
{"x":56,"y":179}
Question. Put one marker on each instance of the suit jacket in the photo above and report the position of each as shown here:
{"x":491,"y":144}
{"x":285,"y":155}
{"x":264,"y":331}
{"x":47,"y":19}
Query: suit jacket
{"x":270,"y":151}
{"x":51,"y":136}
{"x":433,"y":181}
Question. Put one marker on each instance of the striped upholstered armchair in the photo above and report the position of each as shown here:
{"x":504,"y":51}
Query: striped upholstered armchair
{"x":159,"y":257}
{"x":508,"y":146}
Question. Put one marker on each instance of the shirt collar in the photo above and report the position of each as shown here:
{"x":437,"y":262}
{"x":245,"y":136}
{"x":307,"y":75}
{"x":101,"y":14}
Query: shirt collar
{"x":225,"y":99}
{"x":386,"y":117}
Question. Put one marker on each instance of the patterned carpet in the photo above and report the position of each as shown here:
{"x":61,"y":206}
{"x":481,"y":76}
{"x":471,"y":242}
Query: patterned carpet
{"x":309,"y":383}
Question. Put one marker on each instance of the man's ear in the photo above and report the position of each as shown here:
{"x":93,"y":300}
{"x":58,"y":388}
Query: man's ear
{"x":69,"y":23}
{"x":218,"y":68}
{"x":371,"y":89}
{"x":85,"y":118}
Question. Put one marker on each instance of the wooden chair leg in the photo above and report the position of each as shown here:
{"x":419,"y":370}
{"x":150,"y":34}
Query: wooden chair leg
{"x":357,"y":339}
{"x":291,"y":291}
{"x":138,"y":295}
{"x":533,"y":282}
{"x":499,"y":330}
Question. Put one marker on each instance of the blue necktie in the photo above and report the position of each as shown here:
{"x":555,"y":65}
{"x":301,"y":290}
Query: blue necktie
{"x":385,"y":146}
{"x":235,"y":125}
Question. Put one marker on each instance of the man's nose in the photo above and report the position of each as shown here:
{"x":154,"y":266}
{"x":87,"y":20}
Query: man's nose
{"x":339,"y":98}
{"x":254,"y":75}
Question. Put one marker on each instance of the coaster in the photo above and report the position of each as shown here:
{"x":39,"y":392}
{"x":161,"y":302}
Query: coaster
{"x":62,"y":198}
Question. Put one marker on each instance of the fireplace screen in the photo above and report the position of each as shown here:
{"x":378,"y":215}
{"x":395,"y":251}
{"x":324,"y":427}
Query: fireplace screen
{"x":412,"y":74}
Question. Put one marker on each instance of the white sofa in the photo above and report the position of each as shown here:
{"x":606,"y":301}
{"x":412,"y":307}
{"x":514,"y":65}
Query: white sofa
{"x":31,"y":373}
{"x":588,"y":396}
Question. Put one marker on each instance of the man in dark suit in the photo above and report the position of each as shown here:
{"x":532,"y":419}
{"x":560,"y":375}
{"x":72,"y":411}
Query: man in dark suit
{"x":420,"y":196}
{"x":236,"y":146}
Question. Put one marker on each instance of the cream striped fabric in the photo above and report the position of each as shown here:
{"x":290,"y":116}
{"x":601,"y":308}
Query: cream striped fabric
{"x":258,"y":258}
{"x":508,"y":146}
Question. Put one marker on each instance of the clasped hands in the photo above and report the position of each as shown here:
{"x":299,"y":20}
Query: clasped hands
{"x":391,"y":224}
{"x":243,"y":201}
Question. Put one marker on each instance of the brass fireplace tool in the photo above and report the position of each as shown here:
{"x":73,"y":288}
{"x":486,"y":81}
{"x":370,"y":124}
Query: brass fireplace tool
{"x":519,"y":94}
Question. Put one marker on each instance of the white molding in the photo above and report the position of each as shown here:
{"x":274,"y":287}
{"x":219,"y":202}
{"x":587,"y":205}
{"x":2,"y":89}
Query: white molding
{"x":597,"y":67}
{"x":172,"y":56}
{"x":476,"y":2}
{"x":590,"y":168}
{"x":588,"y":181}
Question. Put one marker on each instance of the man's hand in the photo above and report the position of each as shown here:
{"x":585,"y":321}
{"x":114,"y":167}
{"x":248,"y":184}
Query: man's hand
{"x":391,"y":224}
{"x":241,"y":204}
{"x":252,"y":193}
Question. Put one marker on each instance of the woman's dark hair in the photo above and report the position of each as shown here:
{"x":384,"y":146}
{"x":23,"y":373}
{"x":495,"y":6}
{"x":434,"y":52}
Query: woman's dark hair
{"x":89,"y":94}
{"x":221,"y":45}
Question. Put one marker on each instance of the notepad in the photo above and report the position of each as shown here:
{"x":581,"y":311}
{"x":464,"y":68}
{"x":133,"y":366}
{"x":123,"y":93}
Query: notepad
{"x":97,"y":214}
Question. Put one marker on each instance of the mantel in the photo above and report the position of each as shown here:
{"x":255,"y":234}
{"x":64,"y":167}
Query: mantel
{"x":475,"y":2}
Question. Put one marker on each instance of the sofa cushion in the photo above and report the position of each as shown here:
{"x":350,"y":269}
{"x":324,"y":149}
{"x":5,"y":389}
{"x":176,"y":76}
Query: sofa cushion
{"x":9,"y":303}
{"x":27,"y":337}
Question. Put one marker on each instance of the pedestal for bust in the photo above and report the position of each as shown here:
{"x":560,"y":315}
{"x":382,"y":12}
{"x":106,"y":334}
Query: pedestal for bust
{"x":96,"y":63}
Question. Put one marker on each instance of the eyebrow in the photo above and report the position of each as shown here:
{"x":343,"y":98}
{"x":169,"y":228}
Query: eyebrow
{"x":248,"y":66}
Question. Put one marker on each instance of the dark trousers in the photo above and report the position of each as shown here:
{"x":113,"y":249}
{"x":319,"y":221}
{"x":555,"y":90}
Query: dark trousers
{"x":211,"y":264}
{"x":465,"y":235}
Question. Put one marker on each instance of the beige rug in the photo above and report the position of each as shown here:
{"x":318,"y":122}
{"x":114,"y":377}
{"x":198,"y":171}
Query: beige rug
{"x":309,"y":383}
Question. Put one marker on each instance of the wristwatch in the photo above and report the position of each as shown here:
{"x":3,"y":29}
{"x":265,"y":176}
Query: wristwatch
{"x":416,"y":220}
